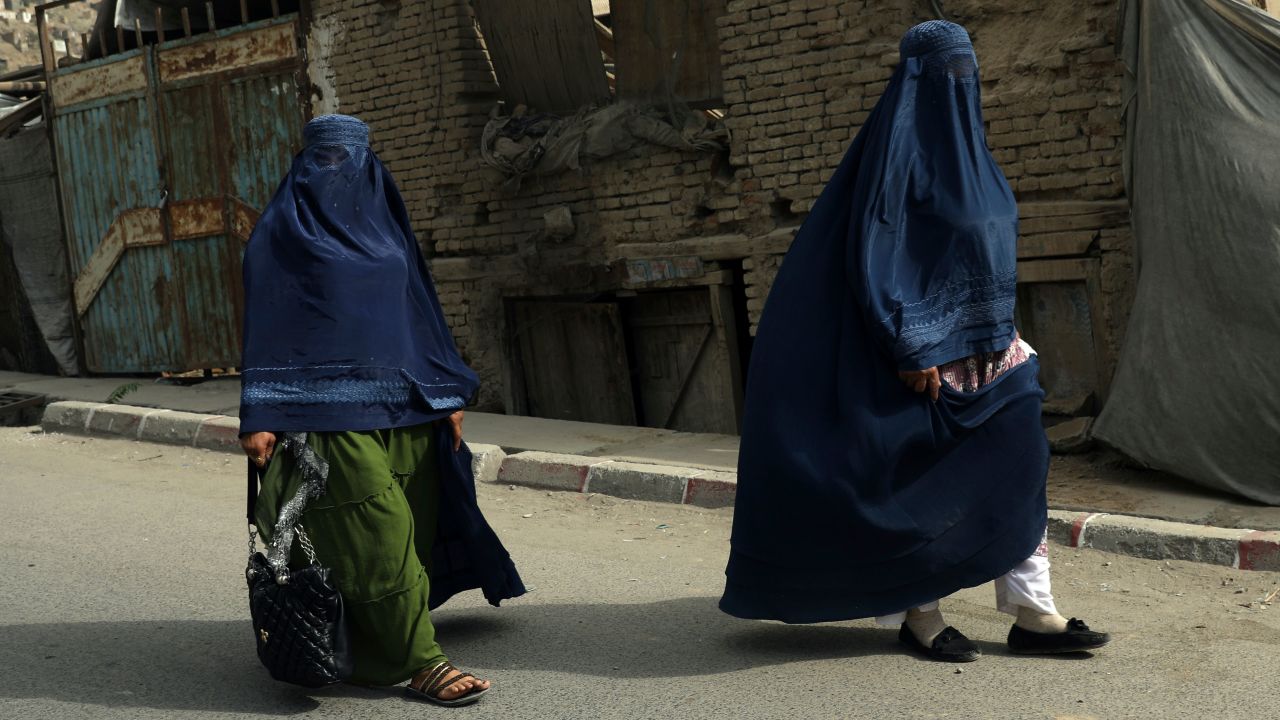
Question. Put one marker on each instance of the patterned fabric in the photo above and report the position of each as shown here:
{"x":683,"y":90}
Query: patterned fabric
{"x":931,"y":36}
{"x":929,"y":322}
{"x":971,"y":373}
{"x":336,"y":130}
{"x":355,"y":391}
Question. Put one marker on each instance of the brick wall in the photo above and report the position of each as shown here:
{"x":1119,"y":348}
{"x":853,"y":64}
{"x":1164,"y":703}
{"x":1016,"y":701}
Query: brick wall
{"x":799,"y":78}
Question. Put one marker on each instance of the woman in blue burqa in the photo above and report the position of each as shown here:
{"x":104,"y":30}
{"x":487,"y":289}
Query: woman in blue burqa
{"x":892,"y":451}
{"x":349,"y":365}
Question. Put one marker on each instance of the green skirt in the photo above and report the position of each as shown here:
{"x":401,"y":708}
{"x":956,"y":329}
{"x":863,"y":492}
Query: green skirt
{"x":373,"y":528}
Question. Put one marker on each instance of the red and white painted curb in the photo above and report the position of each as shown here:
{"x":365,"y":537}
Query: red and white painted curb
{"x":1161,"y":539}
{"x":1123,"y":534}
{"x":634,"y":481}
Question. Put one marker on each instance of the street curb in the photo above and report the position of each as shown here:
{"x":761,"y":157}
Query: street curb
{"x":220,"y":433}
{"x":1121,"y":534}
{"x":1163,"y":540}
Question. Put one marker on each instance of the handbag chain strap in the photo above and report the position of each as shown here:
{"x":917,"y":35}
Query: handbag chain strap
{"x":315,"y":480}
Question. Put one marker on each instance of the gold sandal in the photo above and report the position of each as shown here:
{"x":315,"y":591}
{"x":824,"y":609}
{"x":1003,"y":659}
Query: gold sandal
{"x":435,"y":682}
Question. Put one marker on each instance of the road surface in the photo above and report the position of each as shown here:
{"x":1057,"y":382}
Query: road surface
{"x":122,"y":597}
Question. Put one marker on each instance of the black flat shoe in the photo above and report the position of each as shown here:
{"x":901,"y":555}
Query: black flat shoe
{"x":950,"y":646}
{"x":1076,"y":638}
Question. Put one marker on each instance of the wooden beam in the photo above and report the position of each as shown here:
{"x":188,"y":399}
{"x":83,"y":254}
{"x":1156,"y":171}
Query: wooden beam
{"x":604,"y":36}
{"x":1041,"y":271}
{"x":1056,"y":244}
{"x":1070,"y":207}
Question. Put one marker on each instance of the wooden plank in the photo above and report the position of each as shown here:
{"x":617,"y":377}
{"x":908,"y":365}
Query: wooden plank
{"x":1041,"y":271}
{"x":1071,"y":207}
{"x":725,"y":317}
{"x":84,"y":84}
{"x":574,"y":361}
{"x":1065,"y":223}
{"x":604,"y":36}
{"x":716,"y":277}
{"x":132,"y":228}
{"x":21,"y":115}
{"x":46,"y":49}
{"x":681,"y":362}
{"x":713,"y":247}
{"x":668,"y":49}
{"x":242,"y":50}
{"x":1056,"y":244}
{"x":97,"y":268}
{"x":544,"y":54}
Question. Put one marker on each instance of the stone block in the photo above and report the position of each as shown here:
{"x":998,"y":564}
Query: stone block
{"x":172,"y":427}
{"x":547,"y":470}
{"x":558,"y":222}
{"x":634,"y":481}
{"x":1260,"y":551}
{"x":1073,"y":436}
{"x":486,"y":462}
{"x":68,"y":416}
{"x":1160,"y":540}
{"x":711,"y":489}
{"x":120,"y":420}
{"x":219,"y":433}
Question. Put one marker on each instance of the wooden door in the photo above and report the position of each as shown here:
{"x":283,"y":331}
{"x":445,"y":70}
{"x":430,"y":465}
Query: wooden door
{"x":685,"y":359}
{"x":572,"y":361}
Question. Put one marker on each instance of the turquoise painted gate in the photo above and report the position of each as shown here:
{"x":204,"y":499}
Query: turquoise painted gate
{"x":166,"y":155}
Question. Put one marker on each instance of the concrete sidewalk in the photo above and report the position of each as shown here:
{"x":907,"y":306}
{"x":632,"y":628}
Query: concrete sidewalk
{"x":1095,"y":500}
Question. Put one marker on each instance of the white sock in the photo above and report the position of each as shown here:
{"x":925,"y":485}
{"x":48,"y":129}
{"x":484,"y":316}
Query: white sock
{"x":925,"y":625}
{"x":1036,"y":621}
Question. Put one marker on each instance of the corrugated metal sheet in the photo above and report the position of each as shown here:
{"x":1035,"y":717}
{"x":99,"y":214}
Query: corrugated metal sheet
{"x":107,"y":166}
{"x":205,"y":150}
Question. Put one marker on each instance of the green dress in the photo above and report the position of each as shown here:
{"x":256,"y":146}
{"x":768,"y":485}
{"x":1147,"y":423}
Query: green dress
{"x":373,"y":528}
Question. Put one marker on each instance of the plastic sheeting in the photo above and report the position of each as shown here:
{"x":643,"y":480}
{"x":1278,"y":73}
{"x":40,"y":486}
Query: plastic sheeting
{"x":1197,"y":392}
{"x":31,"y":229}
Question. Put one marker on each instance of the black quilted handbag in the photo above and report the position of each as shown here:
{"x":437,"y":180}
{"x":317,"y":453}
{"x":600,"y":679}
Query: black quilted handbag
{"x":298,"y":620}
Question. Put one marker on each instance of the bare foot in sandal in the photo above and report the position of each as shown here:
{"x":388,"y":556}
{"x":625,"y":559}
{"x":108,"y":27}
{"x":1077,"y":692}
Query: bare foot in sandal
{"x":446,"y":685}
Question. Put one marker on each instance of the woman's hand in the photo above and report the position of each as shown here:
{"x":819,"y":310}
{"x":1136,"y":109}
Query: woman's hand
{"x":258,"y":446}
{"x":455,"y":424}
{"x":921,"y":380}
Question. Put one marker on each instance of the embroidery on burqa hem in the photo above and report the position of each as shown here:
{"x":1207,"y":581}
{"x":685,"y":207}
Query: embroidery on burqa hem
{"x":993,"y":296}
{"x":913,"y":340}
{"x":348,"y":391}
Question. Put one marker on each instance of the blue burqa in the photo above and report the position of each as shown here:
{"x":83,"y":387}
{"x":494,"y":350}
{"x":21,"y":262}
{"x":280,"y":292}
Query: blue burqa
{"x":343,"y":331}
{"x":858,"y":497}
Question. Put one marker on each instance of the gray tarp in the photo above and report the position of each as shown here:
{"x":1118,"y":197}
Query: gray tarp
{"x":31,"y":226}
{"x":1197,"y":392}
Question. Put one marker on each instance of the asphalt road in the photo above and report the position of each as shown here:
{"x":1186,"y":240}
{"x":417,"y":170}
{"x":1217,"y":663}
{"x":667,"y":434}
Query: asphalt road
{"x":121,"y":596}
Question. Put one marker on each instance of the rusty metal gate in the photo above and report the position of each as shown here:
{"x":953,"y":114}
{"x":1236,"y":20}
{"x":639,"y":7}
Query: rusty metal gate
{"x":166,"y":155}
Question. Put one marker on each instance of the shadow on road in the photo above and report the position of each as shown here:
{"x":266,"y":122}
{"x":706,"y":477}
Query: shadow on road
{"x":171,"y":665}
{"x":671,"y":638}
{"x":210,"y":665}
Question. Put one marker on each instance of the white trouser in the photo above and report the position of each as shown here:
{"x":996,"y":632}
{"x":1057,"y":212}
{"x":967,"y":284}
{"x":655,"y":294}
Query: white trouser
{"x":1026,"y":585}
